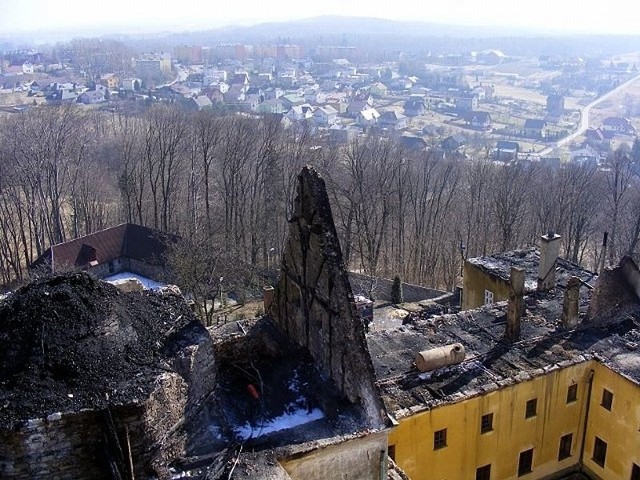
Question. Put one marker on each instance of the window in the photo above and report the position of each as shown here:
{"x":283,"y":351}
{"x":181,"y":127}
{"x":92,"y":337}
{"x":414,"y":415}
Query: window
{"x":607,"y":399}
{"x":440,"y":439}
{"x":599,"y":452}
{"x":531,"y":408}
{"x":391,"y":452}
{"x":486,"y":423}
{"x":525,"y":462}
{"x":572,"y":393}
{"x":483,"y":473}
{"x":488,"y":297}
{"x":565,"y":446}
{"x":635,"y":472}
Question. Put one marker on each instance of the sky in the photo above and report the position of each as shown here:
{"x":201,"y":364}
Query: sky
{"x":132,"y":16}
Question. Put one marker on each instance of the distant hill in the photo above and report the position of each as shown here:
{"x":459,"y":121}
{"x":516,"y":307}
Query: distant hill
{"x":380,"y":35}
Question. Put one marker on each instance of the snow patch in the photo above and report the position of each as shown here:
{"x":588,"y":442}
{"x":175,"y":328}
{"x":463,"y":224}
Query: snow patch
{"x":147,"y":283}
{"x":283,"y":422}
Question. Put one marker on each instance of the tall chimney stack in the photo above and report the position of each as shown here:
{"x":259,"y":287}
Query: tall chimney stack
{"x":549,"y":250}
{"x":514,"y":307}
{"x":570,"y":314}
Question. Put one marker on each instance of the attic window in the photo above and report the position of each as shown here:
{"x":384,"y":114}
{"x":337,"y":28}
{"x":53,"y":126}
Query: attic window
{"x":531,"y":408}
{"x":488,"y":297}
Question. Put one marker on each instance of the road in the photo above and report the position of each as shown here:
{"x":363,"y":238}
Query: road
{"x":584,"y":118}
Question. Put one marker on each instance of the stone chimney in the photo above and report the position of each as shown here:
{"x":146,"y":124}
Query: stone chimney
{"x":549,"y":250}
{"x":514,"y":307}
{"x":570,"y":314}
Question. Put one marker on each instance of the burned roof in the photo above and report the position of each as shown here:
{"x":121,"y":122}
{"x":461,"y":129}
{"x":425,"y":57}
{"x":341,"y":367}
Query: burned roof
{"x":125,"y":240}
{"x":492,"y":363}
{"x":72,"y":342}
{"x":499,"y":265}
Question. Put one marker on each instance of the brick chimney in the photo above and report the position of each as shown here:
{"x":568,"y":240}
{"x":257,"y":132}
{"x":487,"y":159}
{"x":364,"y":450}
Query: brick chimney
{"x":514,"y":307}
{"x":549,"y":250}
{"x":570,"y":314}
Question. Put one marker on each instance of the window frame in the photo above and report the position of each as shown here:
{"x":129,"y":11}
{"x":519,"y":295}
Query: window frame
{"x":531,"y":408}
{"x":564,"y":451}
{"x":572,"y":393}
{"x":488,"y":297}
{"x":526,"y":455}
{"x":599,"y":450}
{"x":484,"y":428}
{"x":440,"y":439}
{"x":483,"y":472}
{"x":607,"y":399}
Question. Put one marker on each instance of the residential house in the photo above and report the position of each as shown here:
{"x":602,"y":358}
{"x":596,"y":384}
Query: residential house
{"x":491,"y":57}
{"x":555,"y":106}
{"x":92,"y":97}
{"x":131,"y":84}
{"x":506,"y":151}
{"x":62,"y":96}
{"x":367,"y":117}
{"x":28,"y":68}
{"x":595,"y":137}
{"x":466,"y":102}
{"x":298,"y":113}
{"x":273,"y":106}
{"x":453,"y":143}
{"x":110,"y":80}
{"x":292,"y":99}
{"x":126,"y":247}
{"x":412,"y":142}
{"x":534,"y":128}
{"x":392,"y":120}
{"x":585,"y":156}
{"x":326,"y":115}
{"x":240,"y":78}
{"x":415,"y":106}
{"x":478,"y":120}
{"x":198,"y":103}
{"x":612,"y":126}
{"x":378,"y":90}
{"x":342,"y":135}
{"x":272,"y":93}
{"x":356,"y":106}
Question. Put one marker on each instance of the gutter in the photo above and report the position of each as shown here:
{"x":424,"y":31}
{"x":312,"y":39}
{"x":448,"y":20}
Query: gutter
{"x":586,"y":419}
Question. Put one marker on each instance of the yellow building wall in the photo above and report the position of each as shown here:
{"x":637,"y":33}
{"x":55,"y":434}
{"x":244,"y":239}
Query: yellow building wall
{"x":467,"y":449}
{"x":475,"y":282}
{"x":619,"y":428}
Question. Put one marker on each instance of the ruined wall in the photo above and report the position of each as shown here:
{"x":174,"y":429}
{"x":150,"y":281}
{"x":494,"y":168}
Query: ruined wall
{"x":476,"y":280}
{"x":357,"y":459}
{"x":71,"y":445}
{"x":614,"y":294}
{"x":361,"y":284}
{"x":313,"y":300}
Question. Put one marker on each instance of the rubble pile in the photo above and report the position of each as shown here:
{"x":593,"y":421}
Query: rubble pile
{"x":73,"y":342}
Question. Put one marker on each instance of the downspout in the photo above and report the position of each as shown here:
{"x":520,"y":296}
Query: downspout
{"x":586,"y":419}
{"x":383,"y":465}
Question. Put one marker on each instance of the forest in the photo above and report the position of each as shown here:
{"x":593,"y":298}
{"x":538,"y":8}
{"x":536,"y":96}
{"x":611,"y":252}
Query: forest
{"x":225,"y":182}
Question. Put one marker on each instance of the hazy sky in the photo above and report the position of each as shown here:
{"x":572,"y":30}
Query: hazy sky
{"x":609,"y":16}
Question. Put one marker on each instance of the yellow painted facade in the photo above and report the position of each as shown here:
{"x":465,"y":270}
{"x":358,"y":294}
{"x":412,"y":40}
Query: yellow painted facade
{"x":476,"y":281}
{"x":412,"y":442}
{"x":619,"y":427}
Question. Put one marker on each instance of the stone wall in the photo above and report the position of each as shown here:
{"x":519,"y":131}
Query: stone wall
{"x":381,"y":289}
{"x":72,"y":446}
{"x":314,"y":303}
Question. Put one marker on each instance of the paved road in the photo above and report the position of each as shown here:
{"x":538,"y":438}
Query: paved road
{"x":584,"y":118}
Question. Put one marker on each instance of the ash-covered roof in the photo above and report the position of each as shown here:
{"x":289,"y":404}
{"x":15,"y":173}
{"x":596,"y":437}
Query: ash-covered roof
{"x":490,"y":362}
{"x":500,"y":264}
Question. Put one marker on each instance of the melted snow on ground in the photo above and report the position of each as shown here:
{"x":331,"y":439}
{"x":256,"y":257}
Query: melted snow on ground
{"x":283,"y":422}
{"x":147,"y":283}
